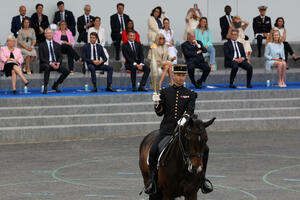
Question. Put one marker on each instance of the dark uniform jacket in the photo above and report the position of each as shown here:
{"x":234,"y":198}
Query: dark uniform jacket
{"x":262,"y":27}
{"x":175,"y":101}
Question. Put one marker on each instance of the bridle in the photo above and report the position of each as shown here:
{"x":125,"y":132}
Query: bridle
{"x":187,"y":156}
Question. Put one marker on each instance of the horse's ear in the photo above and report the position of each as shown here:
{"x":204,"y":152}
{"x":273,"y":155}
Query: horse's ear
{"x":208,"y":123}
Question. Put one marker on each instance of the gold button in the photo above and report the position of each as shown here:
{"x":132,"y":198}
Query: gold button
{"x":176,"y":101}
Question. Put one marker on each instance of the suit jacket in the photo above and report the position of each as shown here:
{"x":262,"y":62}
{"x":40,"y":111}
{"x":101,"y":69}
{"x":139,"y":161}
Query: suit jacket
{"x":224,"y":26}
{"x":5,"y":54}
{"x":229,"y":52}
{"x":116,"y":26}
{"x":16,"y":24}
{"x":57,"y":37}
{"x":86,"y":53}
{"x":260,"y":27}
{"x":69,"y":18}
{"x":44,"y":53}
{"x":190,"y":52}
{"x":129,"y":54}
{"x":34,"y":22}
{"x":81,"y":22}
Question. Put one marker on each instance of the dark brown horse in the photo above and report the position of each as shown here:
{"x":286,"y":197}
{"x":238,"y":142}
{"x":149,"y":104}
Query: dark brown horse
{"x":181,"y":174}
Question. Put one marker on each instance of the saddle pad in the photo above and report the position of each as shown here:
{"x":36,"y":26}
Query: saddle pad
{"x":163,"y":144}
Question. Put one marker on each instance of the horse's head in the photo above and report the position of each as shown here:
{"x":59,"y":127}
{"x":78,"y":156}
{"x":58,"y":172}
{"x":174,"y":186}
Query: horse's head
{"x":194,"y":138}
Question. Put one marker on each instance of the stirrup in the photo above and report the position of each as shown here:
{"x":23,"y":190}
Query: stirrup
{"x":210,"y":187}
{"x":151,"y":189}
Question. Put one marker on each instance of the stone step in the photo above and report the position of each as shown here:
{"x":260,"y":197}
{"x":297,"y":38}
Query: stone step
{"x":47,"y":120}
{"x":146,"y":106}
{"x":90,"y":131}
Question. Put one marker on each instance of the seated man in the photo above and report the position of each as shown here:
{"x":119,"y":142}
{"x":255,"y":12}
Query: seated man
{"x":51,"y":60}
{"x":65,"y":15}
{"x":261,"y":27}
{"x":235,"y":57}
{"x":134,"y":56}
{"x":94,"y":56}
{"x":164,"y":105}
{"x":193,"y":51}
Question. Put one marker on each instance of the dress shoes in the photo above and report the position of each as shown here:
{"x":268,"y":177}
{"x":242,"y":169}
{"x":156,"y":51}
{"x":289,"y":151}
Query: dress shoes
{"x":249,"y":86}
{"x":142,"y":89}
{"x":110,"y":89}
{"x":45,"y":91}
{"x":55,"y":87}
{"x":94,"y":90}
{"x":232,"y":86}
{"x":134,"y":89}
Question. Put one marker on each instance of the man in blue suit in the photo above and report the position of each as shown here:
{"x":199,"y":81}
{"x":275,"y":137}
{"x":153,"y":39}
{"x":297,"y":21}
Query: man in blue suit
{"x":16,"y":22}
{"x":65,"y":15}
{"x":235,"y":57}
{"x":95,"y":58}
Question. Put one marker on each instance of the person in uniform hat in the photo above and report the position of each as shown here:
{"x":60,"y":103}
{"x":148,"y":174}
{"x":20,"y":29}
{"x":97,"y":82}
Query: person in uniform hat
{"x":177,"y":104}
{"x":261,"y":27}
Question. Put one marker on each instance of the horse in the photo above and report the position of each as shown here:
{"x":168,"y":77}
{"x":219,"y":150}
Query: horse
{"x":182,"y":173}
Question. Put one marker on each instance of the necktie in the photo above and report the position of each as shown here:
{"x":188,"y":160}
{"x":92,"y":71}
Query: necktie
{"x":122,"y":24}
{"x":52,"y":53}
{"x":263,"y":19}
{"x":133,"y":49}
{"x":237,"y":50}
{"x":61,"y":16}
{"x":23,"y":18}
{"x":94,"y":52}
{"x":87,"y":20}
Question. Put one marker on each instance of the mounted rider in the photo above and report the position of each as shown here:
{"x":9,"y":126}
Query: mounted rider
{"x":177,"y":104}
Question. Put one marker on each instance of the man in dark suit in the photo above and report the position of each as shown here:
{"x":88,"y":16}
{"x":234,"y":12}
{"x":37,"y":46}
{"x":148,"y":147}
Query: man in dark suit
{"x":118,"y":22}
{"x":16,"y":22}
{"x":94,"y":56}
{"x":235,"y":57}
{"x":262,"y":27}
{"x":51,"y":60}
{"x":84,"y":22}
{"x":225,"y":22}
{"x":65,"y":15}
{"x":39,"y":22}
{"x":193,"y":50}
{"x":134,"y":56}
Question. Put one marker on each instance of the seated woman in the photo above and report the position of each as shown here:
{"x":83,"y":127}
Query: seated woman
{"x":240,"y":25}
{"x":155,"y":23}
{"x":11,"y":60}
{"x":64,"y":37}
{"x":162,"y":57}
{"x":101,"y":35}
{"x":192,"y":21}
{"x":169,"y":35}
{"x":26,"y":42}
{"x":130,"y":27}
{"x":274,"y":55}
{"x":279,"y":25}
{"x":203,"y":34}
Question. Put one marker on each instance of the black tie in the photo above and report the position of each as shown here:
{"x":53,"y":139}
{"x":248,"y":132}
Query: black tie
{"x":94,"y":52}
{"x":52,"y":53}
{"x":22,"y":19}
{"x":237,"y":50}
{"x":133,"y":50}
{"x":122,"y":25}
{"x":87,"y":20}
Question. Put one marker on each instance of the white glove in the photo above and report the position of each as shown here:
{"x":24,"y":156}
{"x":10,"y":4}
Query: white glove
{"x":156,"y":98}
{"x":182,"y":121}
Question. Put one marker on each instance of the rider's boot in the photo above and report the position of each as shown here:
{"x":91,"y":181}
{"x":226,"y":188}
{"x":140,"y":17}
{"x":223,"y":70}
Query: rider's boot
{"x":151,"y":189}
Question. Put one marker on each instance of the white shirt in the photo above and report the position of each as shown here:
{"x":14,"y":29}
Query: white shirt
{"x":85,"y":16}
{"x":236,"y":49}
{"x":21,"y":18}
{"x":229,"y":20}
{"x":101,"y":35}
{"x":63,"y":14}
{"x":50,"y":56}
{"x":133,"y":44}
{"x":121,"y":23}
{"x":92,"y":51}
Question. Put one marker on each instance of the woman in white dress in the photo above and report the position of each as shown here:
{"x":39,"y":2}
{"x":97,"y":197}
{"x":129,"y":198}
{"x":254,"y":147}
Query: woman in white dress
{"x":192,"y":21}
{"x":101,"y":35}
{"x":241,"y":25}
{"x":169,"y":36}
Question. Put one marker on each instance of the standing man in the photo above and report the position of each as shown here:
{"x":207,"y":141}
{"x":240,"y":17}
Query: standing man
{"x":261,"y":27}
{"x":94,"y":56}
{"x":65,"y":15}
{"x":51,"y":60}
{"x":193,"y":51}
{"x":17,"y":21}
{"x":225,"y":22}
{"x":235,"y":57}
{"x":84,"y":22}
{"x":118,"y":22}
{"x":177,"y":104}
{"x":134,"y":56}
